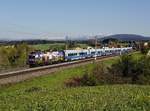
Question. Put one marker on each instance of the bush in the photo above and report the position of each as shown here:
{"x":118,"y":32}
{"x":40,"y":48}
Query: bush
{"x":76,"y":81}
{"x":123,"y":65}
{"x":136,"y":70}
{"x":37,"y":106}
{"x":126,"y":70}
{"x":97,"y":76}
{"x":85,"y":80}
{"x":100,"y":72}
{"x":33,"y":89}
{"x":14,"y":56}
{"x":88,"y":80}
{"x":142,"y":71}
{"x":144,"y":49}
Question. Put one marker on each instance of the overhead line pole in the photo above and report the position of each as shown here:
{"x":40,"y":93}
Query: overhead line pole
{"x":66,"y":43}
{"x":95,"y":47}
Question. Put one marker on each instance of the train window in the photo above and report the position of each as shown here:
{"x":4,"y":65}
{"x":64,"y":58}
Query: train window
{"x":69,"y":54}
{"x":31,"y":57}
{"x":75,"y":54}
{"x":83,"y":53}
{"x":72,"y":54}
{"x":92,"y":52}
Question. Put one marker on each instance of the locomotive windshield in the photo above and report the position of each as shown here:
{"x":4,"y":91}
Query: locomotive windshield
{"x":31,"y":56}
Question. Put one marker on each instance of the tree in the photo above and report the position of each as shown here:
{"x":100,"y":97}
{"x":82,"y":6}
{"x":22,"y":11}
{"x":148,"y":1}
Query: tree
{"x":22,"y":53}
{"x":14,"y":56}
{"x":143,"y":48}
{"x":4,"y":61}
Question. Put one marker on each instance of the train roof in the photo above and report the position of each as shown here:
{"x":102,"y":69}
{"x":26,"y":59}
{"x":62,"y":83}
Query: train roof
{"x":82,"y":50}
{"x":102,"y":49}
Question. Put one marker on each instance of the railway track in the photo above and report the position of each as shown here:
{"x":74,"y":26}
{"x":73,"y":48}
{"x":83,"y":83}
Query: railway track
{"x":18,"y":76}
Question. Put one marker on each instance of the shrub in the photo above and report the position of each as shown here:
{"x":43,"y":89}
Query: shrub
{"x":142,"y":71}
{"x":136,"y":71}
{"x":123,"y":65}
{"x":101,"y":74}
{"x":4,"y":61}
{"x":92,"y":78}
{"x":126,"y":70}
{"x":88,"y":80}
{"x":37,"y":106}
{"x":14,"y":56}
{"x":33,"y":89}
{"x":85,"y":80}
{"x":76,"y":81}
{"x":144,"y":49}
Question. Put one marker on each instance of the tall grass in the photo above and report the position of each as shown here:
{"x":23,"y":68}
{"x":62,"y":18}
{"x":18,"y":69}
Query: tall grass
{"x":48,"y":93}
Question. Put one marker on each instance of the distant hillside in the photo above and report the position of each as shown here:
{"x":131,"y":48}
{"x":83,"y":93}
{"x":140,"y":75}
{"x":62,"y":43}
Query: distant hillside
{"x":34,"y":41}
{"x":127,"y":37}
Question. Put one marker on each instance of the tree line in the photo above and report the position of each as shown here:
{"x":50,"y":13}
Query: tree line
{"x":128,"y":69}
{"x":14,"y":55}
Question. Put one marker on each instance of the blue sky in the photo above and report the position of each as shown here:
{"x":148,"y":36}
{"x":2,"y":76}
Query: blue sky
{"x":51,"y":19}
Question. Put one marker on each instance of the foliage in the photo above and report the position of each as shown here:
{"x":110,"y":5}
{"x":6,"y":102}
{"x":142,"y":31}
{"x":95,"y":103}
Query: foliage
{"x":48,"y":93}
{"x":123,"y":65}
{"x":59,"y":46}
{"x":106,"y":41}
{"x":4,"y":61}
{"x":14,"y":56}
{"x":54,"y":46}
{"x":74,"y":82}
{"x":125,"y":70}
{"x":33,"y":89}
{"x":99,"y":75}
{"x":144,"y":49}
{"x":136,"y":69}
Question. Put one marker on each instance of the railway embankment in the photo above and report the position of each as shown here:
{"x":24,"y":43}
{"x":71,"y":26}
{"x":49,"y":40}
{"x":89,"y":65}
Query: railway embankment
{"x":21,"y":75}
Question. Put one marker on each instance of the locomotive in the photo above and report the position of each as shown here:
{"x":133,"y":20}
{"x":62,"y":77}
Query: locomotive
{"x":39,"y":58}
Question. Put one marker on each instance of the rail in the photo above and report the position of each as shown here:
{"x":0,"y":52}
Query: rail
{"x":10,"y":75}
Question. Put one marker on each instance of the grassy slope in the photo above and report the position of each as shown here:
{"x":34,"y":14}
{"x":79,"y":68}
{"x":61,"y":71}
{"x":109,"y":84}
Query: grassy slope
{"x":48,"y":46}
{"x":49,"y":92}
{"x":54,"y":46}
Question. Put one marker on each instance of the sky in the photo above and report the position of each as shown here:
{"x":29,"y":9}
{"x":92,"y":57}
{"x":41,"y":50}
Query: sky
{"x":55,"y":19}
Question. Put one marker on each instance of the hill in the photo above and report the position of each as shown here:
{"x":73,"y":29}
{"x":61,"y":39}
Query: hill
{"x":127,"y":37}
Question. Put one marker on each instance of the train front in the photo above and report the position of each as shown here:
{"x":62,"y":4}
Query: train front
{"x":35,"y":58}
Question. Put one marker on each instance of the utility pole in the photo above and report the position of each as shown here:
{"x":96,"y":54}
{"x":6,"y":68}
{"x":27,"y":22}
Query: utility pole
{"x":95,"y":48}
{"x":66,"y":47}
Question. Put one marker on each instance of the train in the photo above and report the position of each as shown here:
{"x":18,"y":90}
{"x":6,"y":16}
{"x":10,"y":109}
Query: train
{"x":40,"y":58}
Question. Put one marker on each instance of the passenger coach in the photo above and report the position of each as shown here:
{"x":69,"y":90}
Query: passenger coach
{"x":50,"y":57}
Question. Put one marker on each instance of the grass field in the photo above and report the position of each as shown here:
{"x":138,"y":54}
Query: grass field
{"x":48,"y":93}
{"x":57,"y":46}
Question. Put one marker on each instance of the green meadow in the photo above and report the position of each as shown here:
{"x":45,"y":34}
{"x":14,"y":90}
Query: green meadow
{"x":48,"y":93}
{"x":56,"y":46}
